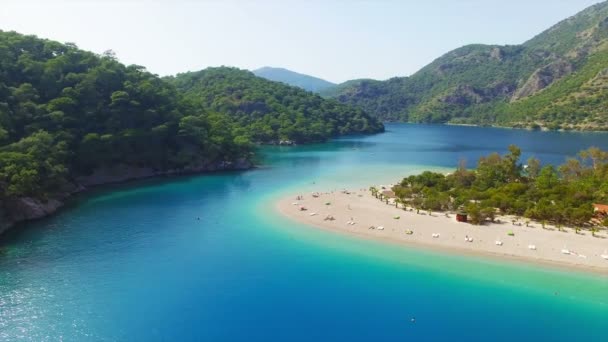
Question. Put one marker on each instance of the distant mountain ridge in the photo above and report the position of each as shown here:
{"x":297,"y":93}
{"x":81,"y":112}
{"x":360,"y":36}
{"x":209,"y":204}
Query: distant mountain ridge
{"x":558,"y":79}
{"x":293,"y":78}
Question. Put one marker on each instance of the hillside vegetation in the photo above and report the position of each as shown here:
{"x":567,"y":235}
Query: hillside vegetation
{"x":558,"y":79}
{"x":66,"y":114}
{"x":271,"y":111}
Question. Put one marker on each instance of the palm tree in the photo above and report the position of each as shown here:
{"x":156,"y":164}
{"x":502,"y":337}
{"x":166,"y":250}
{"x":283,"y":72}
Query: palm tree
{"x":397,"y":201}
{"x":593,"y":231}
{"x":374,"y":191}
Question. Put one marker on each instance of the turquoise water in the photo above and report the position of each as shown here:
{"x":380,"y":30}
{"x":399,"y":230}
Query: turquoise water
{"x":206,"y":258}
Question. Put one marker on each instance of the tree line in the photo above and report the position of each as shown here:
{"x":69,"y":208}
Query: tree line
{"x":562,"y":195}
{"x":65,"y":112}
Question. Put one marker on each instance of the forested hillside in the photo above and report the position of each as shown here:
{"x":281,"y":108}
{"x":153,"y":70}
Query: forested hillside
{"x":271,"y":111}
{"x":69,"y":117}
{"x":555,"y":80}
{"x":65,"y":112}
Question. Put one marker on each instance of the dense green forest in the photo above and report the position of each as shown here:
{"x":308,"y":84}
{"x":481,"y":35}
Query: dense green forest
{"x":561,"y":195}
{"x":556,"y":80}
{"x":65,"y":112}
{"x":271,"y":111}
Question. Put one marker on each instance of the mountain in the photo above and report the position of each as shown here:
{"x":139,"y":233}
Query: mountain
{"x":271,"y":111}
{"x":557,"y":79}
{"x":293,"y":78}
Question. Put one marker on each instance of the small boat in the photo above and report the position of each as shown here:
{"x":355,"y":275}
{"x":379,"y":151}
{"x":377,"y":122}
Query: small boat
{"x":582,"y":256}
{"x":532,"y":247}
{"x":295,"y":203}
{"x":498,"y":243}
{"x":435,"y":235}
{"x":566,"y":251}
{"x":409,"y":232}
{"x":380,"y":228}
{"x":604,"y":256}
{"x":312,"y":214}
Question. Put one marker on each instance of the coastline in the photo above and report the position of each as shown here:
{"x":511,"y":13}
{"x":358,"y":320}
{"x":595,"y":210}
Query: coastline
{"x":17,"y":211}
{"x":365,"y":210}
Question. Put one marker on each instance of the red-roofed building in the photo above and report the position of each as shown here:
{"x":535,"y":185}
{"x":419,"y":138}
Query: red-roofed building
{"x":600,"y":209}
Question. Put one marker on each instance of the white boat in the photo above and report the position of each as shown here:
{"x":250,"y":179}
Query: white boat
{"x":435,"y":235}
{"x":312,"y":214}
{"x":565,"y":251}
{"x":498,"y":243}
{"x":532,"y":247}
{"x":380,"y":228}
{"x":604,"y":256}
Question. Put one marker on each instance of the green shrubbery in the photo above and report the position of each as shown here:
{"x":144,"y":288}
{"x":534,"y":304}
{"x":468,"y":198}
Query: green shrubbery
{"x":500,"y":184}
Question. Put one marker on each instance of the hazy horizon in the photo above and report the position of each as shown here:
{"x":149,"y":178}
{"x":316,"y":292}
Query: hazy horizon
{"x":336,"y":41}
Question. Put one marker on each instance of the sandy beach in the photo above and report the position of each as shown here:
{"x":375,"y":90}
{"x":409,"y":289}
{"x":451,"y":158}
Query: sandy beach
{"x":355,"y":211}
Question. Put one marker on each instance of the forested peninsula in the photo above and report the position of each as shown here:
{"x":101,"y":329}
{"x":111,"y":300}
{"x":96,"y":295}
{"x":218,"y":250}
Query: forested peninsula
{"x":71,"y":119}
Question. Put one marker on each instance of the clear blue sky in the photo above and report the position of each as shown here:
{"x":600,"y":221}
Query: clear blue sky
{"x":336,"y":40}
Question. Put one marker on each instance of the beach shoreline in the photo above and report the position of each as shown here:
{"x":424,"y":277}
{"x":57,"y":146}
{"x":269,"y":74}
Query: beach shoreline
{"x":355,"y":211}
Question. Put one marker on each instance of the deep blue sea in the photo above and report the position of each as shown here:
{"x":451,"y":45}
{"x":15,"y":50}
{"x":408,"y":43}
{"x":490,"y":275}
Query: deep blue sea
{"x":206,"y":258}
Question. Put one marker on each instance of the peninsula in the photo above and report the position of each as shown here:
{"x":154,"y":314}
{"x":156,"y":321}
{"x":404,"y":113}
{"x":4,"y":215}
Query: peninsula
{"x":502,"y":208}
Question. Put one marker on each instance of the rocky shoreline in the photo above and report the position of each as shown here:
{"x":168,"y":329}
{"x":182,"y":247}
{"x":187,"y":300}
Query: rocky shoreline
{"x":22,"y":209}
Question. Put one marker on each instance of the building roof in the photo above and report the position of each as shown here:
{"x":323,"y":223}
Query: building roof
{"x":388,"y":193}
{"x":600,"y":207}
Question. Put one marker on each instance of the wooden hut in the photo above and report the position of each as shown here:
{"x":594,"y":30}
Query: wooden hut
{"x":388,"y":194}
{"x":461,"y":216}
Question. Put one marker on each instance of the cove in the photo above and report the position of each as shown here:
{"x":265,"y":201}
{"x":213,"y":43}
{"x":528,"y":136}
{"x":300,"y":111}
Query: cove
{"x":207,"y":258}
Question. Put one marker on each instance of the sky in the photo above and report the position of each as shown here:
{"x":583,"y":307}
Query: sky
{"x":336,"y":40}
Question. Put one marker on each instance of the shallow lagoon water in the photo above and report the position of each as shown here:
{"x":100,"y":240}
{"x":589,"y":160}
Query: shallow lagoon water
{"x":207,"y":258}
